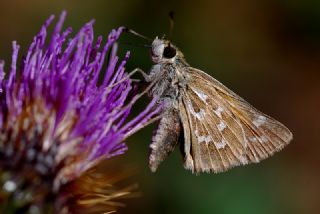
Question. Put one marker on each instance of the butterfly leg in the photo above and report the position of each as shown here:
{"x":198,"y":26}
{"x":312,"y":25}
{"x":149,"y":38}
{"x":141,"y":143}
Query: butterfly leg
{"x":146,"y":76}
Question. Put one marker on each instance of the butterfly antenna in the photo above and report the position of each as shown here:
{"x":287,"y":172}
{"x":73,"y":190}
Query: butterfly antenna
{"x":171,"y":16}
{"x":128,"y":30}
{"x":136,"y":45}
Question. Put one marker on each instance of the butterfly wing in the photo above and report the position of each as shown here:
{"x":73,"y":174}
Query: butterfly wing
{"x":222,"y":130}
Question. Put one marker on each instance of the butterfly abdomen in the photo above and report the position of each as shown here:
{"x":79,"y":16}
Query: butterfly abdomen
{"x":165,"y":138}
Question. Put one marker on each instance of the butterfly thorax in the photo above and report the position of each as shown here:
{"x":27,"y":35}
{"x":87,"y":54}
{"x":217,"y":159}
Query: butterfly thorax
{"x":169,"y":70}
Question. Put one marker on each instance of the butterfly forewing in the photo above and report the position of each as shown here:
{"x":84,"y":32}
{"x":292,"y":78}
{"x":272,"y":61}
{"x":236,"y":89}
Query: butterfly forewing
{"x":221,"y":129}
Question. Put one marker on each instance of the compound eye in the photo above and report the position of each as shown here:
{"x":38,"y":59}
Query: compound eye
{"x":169,"y":52}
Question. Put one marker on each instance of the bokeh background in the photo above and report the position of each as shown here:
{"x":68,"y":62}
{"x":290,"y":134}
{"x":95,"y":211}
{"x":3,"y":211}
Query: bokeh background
{"x":267,"y":51}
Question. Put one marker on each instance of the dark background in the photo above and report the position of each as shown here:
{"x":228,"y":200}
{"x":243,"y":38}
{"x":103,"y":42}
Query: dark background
{"x":266,"y":51}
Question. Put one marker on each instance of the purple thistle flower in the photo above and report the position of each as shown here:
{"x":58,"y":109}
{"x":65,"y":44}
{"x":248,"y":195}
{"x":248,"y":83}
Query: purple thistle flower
{"x":56,"y":121}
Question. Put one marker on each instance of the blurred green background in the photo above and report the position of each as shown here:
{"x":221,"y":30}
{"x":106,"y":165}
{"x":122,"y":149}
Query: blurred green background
{"x":266,"y":51}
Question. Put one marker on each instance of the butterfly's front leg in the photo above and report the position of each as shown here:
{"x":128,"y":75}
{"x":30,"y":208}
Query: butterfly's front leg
{"x":146,"y":76}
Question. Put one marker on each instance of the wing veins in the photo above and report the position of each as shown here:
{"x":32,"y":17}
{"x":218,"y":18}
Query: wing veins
{"x":192,"y":152}
{"x":222,"y":137}
{"x":187,"y":96}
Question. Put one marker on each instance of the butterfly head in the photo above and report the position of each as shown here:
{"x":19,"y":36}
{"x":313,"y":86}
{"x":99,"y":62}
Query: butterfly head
{"x":163,"y":51}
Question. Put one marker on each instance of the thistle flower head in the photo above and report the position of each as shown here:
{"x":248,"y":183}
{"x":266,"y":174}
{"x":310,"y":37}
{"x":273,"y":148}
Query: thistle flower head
{"x":59,"y":118}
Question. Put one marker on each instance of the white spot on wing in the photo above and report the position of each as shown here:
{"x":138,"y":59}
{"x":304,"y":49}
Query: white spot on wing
{"x":221,"y":145}
{"x":206,"y":139}
{"x":264,"y":139}
{"x":253,"y":139}
{"x":218,"y":111}
{"x":199,"y":115}
{"x":221,"y":126}
{"x":203,"y":138}
{"x":200,"y":94}
{"x":259,"y":121}
{"x":243,"y":159}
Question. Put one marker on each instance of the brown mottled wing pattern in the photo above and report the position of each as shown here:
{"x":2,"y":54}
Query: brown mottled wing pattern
{"x":222,"y":130}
